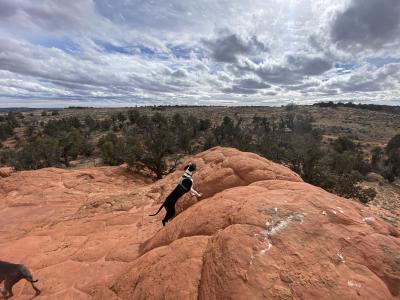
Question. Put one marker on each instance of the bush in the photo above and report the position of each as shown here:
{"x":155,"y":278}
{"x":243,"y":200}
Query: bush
{"x":393,"y":144}
{"x":342,"y":144}
{"x":209,"y":142}
{"x":105,"y":124}
{"x":73,"y":144}
{"x":366,"y":195}
{"x":6,"y":131}
{"x":204,"y":125}
{"x":393,"y":164}
{"x":110,"y":153}
{"x":387,"y":161}
{"x":12,"y":120}
{"x":90,"y":123}
{"x":376,"y":158}
{"x":113,"y":149}
{"x":40,"y":153}
{"x":143,"y":122}
{"x":157,"y":145}
{"x":302,"y":124}
{"x":29,"y":131}
{"x":133,"y":116}
{"x":57,"y":128}
{"x":290,"y":107}
{"x":151,"y":148}
{"x":121,"y":117}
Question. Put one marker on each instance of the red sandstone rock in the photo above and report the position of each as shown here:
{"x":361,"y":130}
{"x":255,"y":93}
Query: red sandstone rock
{"x":6,"y":171}
{"x":259,"y":232}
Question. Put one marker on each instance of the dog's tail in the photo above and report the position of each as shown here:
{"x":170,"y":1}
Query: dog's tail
{"x":158,"y":210}
{"x":27,"y":274}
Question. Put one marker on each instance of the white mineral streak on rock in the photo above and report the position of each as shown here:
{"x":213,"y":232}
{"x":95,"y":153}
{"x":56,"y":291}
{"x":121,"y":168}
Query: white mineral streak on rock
{"x":353,"y":284}
{"x":341,"y":257}
{"x":279,"y":226}
{"x":368,"y":220}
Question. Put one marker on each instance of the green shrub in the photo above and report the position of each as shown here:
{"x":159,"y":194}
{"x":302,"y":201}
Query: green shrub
{"x":121,"y":117}
{"x":133,"y":116}
{"x":393,"y":144}
{"x":113,"y":149}
{"x":342,"y":144}
{"x":40,"y":153}
{"x":366,"y":195}
{"x":105,"y":124}
{"x":6,"y":131}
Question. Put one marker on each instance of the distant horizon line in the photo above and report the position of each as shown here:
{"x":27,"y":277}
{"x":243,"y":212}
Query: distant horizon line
{"x":20,"y":108}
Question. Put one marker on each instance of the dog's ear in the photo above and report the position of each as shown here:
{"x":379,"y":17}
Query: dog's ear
{"x":192,"y":167}
{"x":187,"y":166}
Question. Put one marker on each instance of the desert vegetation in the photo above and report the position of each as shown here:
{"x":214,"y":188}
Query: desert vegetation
{"x":155,"y":138}
{"x":7,"y":125}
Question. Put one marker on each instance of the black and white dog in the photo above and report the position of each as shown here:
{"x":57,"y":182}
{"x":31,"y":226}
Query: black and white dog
{"x":184,"y":186}
{"x":12,"y":273}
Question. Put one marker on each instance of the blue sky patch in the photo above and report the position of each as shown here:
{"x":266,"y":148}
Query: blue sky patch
{"x":381,"y":61}
{"x":344,"y":68}
{"x":111,"y":48}
{"x":63,"y":43}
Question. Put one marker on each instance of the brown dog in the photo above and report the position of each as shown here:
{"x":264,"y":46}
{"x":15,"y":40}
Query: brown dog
{"x":12,"y":273}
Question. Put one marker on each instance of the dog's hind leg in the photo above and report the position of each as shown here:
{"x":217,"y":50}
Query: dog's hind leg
{"x":38,"y":291}
{"x":8,"y":284}
{"x":170,"y":213}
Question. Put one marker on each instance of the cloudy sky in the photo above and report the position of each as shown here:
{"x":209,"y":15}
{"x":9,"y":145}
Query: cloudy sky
{"x":57,"y":53}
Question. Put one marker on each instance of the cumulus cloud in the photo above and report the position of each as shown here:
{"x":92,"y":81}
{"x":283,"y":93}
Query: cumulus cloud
{"x":250,"y":83}
{"x":49,"y":14}
{"x":246,"y":86}
{"x":227,"y":46}
{"x":198,"y":51}
{"x":367,"y":23}
{"x":366,"y":80}
{"x":291,"y":70}
{"x":7,"y":9}
{"x":180,"y":73}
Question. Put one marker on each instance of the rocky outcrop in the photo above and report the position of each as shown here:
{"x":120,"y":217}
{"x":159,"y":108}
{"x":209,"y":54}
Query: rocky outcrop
{"x":258,"y":232}
{"x":6,"y":171}
{"x":374,"y":177}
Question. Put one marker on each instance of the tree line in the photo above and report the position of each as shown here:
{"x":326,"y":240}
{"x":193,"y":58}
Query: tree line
{"x":373,"y":107}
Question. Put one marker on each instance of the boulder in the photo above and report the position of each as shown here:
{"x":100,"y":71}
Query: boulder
{"x":258,"y":232}
{"x":374,"y":177}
